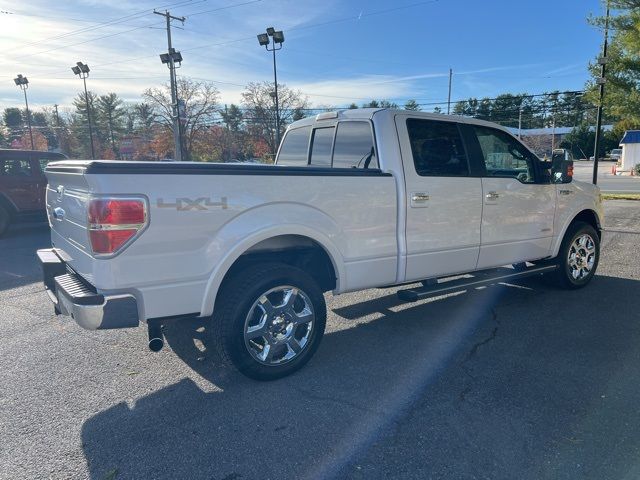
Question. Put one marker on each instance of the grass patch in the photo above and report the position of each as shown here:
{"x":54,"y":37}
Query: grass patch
{"x":621,"y":196}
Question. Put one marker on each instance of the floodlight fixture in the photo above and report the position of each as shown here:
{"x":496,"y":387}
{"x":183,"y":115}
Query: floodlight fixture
{"x":84,"y":68}
{"x":263,"y":39}
{"x":166,"y":58}
{"x":21,"y":80}
{"x":271,"y":31}
{"x":278,"y":37}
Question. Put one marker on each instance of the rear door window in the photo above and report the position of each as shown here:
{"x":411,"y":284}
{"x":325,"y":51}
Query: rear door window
{"x":295,"y":147}
{"x":15,"y":168}
{"x":354,"y":146}
{"x":322,"y":146}
{"x":437,"y":148}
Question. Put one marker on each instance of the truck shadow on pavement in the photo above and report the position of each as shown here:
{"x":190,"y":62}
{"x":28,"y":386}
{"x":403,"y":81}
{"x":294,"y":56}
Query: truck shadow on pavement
{"x":525,"y":380}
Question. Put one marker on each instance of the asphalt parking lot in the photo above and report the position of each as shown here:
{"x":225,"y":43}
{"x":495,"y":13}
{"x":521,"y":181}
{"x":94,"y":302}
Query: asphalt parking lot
{"x":511,"y":381}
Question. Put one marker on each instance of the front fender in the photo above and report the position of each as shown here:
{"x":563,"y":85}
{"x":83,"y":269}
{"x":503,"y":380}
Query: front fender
{"x":261,"y":223}
{"x":568,"y":219}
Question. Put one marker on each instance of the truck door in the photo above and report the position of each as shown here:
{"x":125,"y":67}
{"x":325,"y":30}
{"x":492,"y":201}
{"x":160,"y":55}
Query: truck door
{"x":443,"y":199}
{"x":519,"y":204}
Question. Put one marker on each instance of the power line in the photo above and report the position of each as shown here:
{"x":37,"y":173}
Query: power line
{"x":96,"y":26}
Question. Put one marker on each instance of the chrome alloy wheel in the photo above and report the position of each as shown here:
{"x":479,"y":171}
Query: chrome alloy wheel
{"x":582,"y":256}
{"x":279,"y":325}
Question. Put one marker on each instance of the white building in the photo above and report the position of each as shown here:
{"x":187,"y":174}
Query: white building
{"x":630,"y":144}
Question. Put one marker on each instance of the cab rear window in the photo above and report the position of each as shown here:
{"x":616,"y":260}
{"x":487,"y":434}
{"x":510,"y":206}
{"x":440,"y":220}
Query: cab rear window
{"x":350,"y":144}
{"x":295,"y":147}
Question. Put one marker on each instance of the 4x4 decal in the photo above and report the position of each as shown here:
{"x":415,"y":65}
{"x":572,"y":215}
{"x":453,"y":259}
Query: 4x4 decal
{"x":184,"y":204}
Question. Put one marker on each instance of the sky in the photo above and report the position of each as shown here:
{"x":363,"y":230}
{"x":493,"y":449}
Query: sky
{"x":335,"y":52}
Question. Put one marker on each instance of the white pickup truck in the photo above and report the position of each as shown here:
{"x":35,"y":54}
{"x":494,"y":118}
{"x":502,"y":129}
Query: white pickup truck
{"x":357,"y":199}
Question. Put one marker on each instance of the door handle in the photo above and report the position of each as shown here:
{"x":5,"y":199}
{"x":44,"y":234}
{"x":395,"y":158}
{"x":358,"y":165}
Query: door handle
{"x":419,"y":197}
{"x":565,"y":192}
{"x":492,"y":196}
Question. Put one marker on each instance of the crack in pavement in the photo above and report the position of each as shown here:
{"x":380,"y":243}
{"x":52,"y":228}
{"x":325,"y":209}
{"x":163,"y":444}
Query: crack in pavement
{"x":312,"y":396}
{"x":473,"y":352}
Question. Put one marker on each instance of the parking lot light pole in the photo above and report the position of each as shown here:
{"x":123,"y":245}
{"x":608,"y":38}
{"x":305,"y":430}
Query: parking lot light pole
{"x":23,"y":83}
{"x":278,"y":40}
{"x":82,"y":70}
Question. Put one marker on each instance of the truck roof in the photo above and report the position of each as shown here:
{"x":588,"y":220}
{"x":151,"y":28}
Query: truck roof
{"x":369,"y":113}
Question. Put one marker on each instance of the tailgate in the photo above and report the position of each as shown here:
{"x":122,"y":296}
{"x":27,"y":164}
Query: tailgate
{"x":66,"y":199}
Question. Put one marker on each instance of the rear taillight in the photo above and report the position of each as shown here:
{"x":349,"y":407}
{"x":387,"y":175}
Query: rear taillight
{"x":114,"y":221}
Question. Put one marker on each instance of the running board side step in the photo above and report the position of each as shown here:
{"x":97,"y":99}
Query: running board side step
{"x":476,"y":279}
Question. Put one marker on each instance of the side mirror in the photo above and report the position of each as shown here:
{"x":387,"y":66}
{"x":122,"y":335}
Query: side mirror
{"x":562,"y":172}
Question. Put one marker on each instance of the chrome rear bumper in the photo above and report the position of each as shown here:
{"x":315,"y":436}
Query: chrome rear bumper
{"x":75,"y":297}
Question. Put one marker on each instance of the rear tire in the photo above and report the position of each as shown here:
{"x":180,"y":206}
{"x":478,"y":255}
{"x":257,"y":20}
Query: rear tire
{"x":578,"y":257}
{"x":269,"y":320}
{"x":5,"y":219}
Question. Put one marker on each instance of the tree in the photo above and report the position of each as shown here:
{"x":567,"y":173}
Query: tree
{"x":581,"y":141}
{"x":622,"y":90}
{"x":12,"y":118}
{"x":412,"y":105}
{"x":42,"y":123}
{"x":232,"y":117}
{"x":144,"y":117}
{"x":200,"y":108}
{"x":111,"y":115}
{"x":79,"y":125}
{"x":260,"y":112}
{"x":353,"y":106}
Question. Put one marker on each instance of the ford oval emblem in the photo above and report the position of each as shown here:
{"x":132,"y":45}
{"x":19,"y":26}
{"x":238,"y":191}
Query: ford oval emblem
{"x":60,"y":191}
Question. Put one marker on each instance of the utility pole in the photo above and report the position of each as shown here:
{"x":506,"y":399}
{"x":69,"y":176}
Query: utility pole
{"x":170,"y":59}
{"x":520,"y":118}
{"x":55,"y":107}
{"x":449,"y":99}
{"x":601,"y":81}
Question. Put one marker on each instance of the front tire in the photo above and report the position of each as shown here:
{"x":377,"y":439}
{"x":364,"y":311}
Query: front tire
{"x":578,"y":258}
{"x":269,"y":320}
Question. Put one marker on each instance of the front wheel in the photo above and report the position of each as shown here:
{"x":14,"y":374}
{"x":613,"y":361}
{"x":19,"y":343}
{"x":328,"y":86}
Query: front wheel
{"x":269,"y":320}
{"x":578,"y":258}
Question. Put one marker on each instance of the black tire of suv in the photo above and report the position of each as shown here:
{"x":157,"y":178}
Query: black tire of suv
{"x":5,"y":219}
{"x":235,"y":299}
{"x":562,"y":276}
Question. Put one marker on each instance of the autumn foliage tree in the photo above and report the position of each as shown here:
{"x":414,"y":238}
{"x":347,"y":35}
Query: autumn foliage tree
{"x":200,"y":105}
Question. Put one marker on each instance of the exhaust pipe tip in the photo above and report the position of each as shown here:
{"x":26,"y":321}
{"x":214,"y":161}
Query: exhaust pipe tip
{"x":156,"y":344}
{"x":156,"y":338}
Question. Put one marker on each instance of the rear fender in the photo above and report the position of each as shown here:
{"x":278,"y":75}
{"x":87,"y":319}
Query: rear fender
{"x":262,"y":223}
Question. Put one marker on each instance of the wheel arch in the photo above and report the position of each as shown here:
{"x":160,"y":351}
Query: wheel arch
{"x":586,"y":215}
{"x":297,"y":245}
